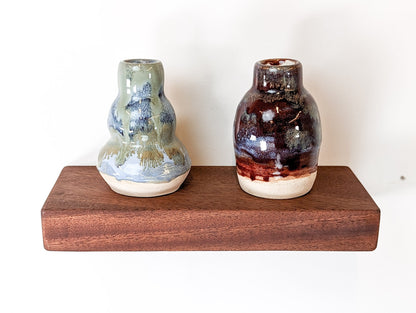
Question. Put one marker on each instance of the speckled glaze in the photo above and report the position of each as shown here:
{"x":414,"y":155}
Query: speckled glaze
{"x":143,"y":157}
{"x":277,"y":132}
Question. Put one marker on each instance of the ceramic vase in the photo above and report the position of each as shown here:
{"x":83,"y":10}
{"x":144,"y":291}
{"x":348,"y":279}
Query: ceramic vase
{"x":277,"y":133}
{"x":143,"y":157}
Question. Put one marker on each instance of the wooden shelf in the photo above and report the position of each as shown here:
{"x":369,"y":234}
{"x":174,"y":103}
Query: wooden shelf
{"x":209,"y":212}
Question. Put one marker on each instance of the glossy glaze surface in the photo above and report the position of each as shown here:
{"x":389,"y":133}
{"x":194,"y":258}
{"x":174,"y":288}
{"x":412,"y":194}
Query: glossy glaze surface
{"x":143,"y":146}
{"x":277,"y":132}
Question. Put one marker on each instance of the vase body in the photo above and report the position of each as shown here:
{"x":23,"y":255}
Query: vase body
{"x":143,"y":157}
{"x":277,"y":133}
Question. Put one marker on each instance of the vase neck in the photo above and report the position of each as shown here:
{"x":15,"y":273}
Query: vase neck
{"x":138,"y":75}
{"x":277,"y":75}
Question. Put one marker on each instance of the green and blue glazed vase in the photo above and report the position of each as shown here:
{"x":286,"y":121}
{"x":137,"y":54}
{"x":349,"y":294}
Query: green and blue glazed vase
{"x":143,"y":157}
{"x":277,"y":133}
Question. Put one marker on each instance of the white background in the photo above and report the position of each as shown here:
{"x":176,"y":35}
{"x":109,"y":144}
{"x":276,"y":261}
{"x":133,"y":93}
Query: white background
{"x":58,"y":78}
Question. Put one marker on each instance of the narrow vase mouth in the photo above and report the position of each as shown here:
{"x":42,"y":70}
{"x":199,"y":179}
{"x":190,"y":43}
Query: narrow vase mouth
{"x":277,"y":74}
{"x":278,"y":62}
{"x":141,"y":61}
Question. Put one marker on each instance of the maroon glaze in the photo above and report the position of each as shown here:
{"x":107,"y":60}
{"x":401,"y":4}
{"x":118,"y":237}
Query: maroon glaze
{"x":277,"y":130}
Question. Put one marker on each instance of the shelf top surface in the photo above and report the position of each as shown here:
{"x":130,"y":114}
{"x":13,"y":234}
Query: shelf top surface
{"x":207,"y":188}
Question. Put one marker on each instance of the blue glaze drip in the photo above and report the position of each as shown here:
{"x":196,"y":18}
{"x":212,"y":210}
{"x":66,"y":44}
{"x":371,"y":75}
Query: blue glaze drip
{"x":113,"y":120}
{"x":167,"y":116}
{"x":140,"y":110}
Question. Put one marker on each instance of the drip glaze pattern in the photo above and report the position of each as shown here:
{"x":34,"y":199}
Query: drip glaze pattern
{"x":143,"y":148}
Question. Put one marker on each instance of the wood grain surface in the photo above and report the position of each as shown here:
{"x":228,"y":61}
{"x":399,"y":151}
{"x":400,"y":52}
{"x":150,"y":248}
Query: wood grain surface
{"x":209,"y":212}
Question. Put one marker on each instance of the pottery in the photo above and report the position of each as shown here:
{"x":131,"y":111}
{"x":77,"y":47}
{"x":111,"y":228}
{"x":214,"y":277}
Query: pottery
{"x":277,"y":133}
{"x":143,"y":157}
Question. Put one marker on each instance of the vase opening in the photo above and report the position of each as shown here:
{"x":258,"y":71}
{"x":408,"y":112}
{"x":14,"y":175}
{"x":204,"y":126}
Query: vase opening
{"x":279,"y":62}
{"x":141,"y":61}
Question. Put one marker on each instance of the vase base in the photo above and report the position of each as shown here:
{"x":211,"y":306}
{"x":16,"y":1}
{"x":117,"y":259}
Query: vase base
{"x":133,"y":189}
{"x":284,"y":188}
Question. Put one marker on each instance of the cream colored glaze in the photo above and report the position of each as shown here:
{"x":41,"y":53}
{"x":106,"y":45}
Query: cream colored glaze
{"x":284,"y":188}
{"x":133,"y":189}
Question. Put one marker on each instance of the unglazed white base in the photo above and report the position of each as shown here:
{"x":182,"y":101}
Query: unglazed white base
{"x":133,"y":189}
{"x":283,"y":188}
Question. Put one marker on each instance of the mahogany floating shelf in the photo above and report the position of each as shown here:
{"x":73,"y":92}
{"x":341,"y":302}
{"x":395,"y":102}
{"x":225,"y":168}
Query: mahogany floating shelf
{"x":209,"y":212}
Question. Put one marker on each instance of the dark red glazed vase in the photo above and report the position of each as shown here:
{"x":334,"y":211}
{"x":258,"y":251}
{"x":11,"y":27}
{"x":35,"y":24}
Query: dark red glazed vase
{"x":277,"y":133}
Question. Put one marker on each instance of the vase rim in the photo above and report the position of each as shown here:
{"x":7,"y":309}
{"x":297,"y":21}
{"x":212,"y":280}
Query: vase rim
{"x":140,"y":61}
{"x":278,"y":62}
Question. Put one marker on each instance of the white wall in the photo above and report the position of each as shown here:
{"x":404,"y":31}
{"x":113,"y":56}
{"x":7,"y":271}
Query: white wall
{"x":58,"y":65}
